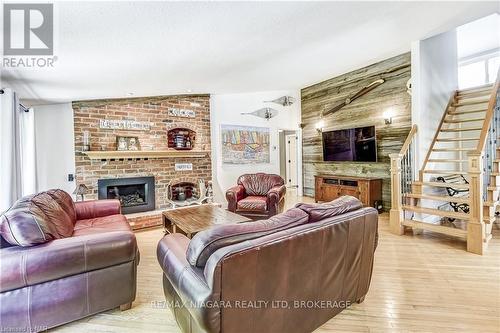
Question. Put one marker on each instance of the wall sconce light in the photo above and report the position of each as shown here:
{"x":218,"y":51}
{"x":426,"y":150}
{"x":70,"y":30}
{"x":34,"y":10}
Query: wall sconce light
{"x":388,"y":114}
{"x":319,"y":125}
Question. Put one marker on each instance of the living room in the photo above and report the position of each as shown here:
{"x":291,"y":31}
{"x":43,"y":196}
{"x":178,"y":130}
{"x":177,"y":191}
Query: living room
{"x":250,"y":167}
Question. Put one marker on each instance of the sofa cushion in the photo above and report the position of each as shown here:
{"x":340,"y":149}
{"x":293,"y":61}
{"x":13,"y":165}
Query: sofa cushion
{"x":325,"y":210}
{"x":39,"y":218}
{"x":26,"y":266}
{"x":252,"y":204}
{"x":208,"y":241}
{"x":259,"y":183}
{"x":99,"y":225}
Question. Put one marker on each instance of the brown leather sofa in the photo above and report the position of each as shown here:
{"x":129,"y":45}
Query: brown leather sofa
{"x":257,"y":195}
{"x":62,"y":261}
{"x":290,"y":273}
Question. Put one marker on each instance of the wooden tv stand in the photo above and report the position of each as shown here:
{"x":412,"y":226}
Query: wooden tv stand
{"x":368,"y":190}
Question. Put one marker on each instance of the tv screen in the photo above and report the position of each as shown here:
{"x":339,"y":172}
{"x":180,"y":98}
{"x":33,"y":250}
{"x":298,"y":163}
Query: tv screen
{"x":353,"y":144}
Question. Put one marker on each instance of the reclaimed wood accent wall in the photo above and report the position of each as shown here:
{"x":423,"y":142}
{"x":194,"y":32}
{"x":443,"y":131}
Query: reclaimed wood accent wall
{"x":367,"y":110}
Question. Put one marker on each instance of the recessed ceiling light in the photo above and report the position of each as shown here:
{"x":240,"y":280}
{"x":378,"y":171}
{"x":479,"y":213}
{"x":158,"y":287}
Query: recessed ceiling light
{"x":130,"y":94}
{"x":189,"y":90}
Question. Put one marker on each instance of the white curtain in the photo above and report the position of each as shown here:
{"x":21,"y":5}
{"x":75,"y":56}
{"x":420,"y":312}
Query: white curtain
{"x":17,"y":150}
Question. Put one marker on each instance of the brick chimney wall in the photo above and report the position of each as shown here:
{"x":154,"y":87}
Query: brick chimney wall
{"x":87,"y":115}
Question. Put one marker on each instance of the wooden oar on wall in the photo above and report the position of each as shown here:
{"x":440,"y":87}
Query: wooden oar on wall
{"x":360,"y":93}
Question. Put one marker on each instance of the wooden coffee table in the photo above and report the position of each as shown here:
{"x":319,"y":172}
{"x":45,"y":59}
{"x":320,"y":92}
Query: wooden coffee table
{"x":191,"y":220}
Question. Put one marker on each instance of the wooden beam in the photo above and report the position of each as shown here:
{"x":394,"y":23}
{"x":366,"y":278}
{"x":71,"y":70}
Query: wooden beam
{"x":455,"y":232}
{"x":437,"y":212}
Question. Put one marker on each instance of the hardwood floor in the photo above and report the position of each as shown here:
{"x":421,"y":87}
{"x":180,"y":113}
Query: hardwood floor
{"x":421,"y":283}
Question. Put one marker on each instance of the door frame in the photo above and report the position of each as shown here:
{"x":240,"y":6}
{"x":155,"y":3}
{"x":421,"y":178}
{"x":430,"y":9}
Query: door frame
{"x":300,"y":175}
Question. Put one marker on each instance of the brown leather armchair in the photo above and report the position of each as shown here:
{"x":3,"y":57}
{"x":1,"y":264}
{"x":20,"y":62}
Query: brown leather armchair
{"x":257,"y":195}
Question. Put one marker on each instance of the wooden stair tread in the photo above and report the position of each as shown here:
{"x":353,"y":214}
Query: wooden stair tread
{"x":475,"y":96}
{"x":463,"y":129}
{"x":441,"y":184}
{"x":437,"y":212}
{"x":456,"y":113}
{"x":457,"y":139}
{"x":453,"y":149}
{"x":445,"y":198}
{"x":480,"y":93}
{"x":455,"y":232}
{"x":445,"y":172}
{"x":462,"y":120}
{"x":470,"y":102}
{"x":438,"y":160}
{"x":484,"y":87}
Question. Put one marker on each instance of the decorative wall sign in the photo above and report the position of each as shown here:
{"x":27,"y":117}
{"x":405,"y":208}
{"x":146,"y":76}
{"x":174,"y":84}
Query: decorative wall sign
{"x":184,"y":113}
{"x":183,"y":166}
{"x":245,"y":144}
{"x":124,"y":125}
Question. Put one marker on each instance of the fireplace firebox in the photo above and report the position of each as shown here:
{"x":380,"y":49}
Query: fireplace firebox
{"x":136,"y":194}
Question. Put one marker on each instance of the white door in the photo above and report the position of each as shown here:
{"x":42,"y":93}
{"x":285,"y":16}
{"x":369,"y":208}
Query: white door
{"x":291,"y":160}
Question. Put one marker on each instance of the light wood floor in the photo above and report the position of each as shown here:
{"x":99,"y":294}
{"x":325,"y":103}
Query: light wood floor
{"x":422,"y":283}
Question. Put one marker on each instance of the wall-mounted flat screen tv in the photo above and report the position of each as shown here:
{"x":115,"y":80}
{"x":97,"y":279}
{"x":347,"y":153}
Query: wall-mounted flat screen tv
{"x":353,"y":144}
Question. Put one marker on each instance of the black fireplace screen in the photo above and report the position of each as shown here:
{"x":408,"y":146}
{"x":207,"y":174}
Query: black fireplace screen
{"x":135,"y":194}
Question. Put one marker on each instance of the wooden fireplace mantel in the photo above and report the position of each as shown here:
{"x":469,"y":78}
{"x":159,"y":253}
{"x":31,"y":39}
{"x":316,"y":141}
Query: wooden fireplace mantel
{"x":119,"y":154}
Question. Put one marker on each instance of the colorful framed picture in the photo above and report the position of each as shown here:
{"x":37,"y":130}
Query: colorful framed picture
{"x":245,"y":144}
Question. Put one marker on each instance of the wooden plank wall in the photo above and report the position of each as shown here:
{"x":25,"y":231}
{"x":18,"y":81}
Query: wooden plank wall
{"x":365,"y":111}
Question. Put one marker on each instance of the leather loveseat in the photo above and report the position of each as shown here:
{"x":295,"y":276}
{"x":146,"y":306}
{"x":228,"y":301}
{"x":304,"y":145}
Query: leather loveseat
{"x":61,"y":261}
{"x":257,"y":195}
{"x":288,"y":274}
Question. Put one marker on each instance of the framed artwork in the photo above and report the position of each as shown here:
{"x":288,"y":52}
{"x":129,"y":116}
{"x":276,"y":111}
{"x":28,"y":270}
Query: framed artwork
{"x":127,"y":143}
{"x":245,"y":144}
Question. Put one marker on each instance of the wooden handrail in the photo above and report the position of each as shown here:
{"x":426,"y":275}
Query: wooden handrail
{"x":489,"y":115}
{"x":450,"y":102}
{"x":409,"y":139}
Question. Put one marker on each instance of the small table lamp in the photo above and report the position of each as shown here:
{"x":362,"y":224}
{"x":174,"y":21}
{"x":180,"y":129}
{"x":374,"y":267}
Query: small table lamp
{"x":81,"y":189}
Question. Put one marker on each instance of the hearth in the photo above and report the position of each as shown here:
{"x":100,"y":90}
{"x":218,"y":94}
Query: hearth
{"x":135,"y":194}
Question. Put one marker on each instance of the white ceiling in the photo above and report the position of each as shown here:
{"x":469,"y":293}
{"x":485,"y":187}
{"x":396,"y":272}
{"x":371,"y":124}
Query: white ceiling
{"x":110,"y":49}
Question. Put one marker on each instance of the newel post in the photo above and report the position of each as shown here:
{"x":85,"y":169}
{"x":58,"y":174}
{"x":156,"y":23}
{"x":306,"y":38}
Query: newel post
{"x":396,"y":212}
{"x":475,"y":227}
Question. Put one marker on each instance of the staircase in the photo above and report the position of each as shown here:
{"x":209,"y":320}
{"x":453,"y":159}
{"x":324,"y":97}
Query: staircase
{"x":466,"y":143}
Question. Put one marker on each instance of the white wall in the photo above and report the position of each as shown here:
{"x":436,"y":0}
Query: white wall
{"x":226,"y":109}
{"x":434,"y":69}
{"x":434,"y":78}
{"x":55,"y":153}
{"x":479,"y":36}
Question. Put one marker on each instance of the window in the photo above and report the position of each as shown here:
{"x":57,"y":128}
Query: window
{"x":478,"y":71}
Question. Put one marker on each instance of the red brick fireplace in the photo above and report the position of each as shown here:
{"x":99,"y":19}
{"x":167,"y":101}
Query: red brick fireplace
{"x":161,"y":115}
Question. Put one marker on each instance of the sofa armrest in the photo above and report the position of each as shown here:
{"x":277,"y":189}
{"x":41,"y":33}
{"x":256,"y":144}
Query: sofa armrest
{"x":275,"y":198}
{"x":276,"y":193}
{"x":188,"y":281}
{"x":25,"y":266}
{"x":97,"y":208}
{"x":233,"y":195}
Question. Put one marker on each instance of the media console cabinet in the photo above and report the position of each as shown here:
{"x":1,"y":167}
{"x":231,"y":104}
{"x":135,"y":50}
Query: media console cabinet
{"x":368,"y":190}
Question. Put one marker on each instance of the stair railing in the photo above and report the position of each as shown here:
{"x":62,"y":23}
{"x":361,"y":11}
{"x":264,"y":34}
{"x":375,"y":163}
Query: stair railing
{"x":402,"y":176}
{"x":480,"y":162}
